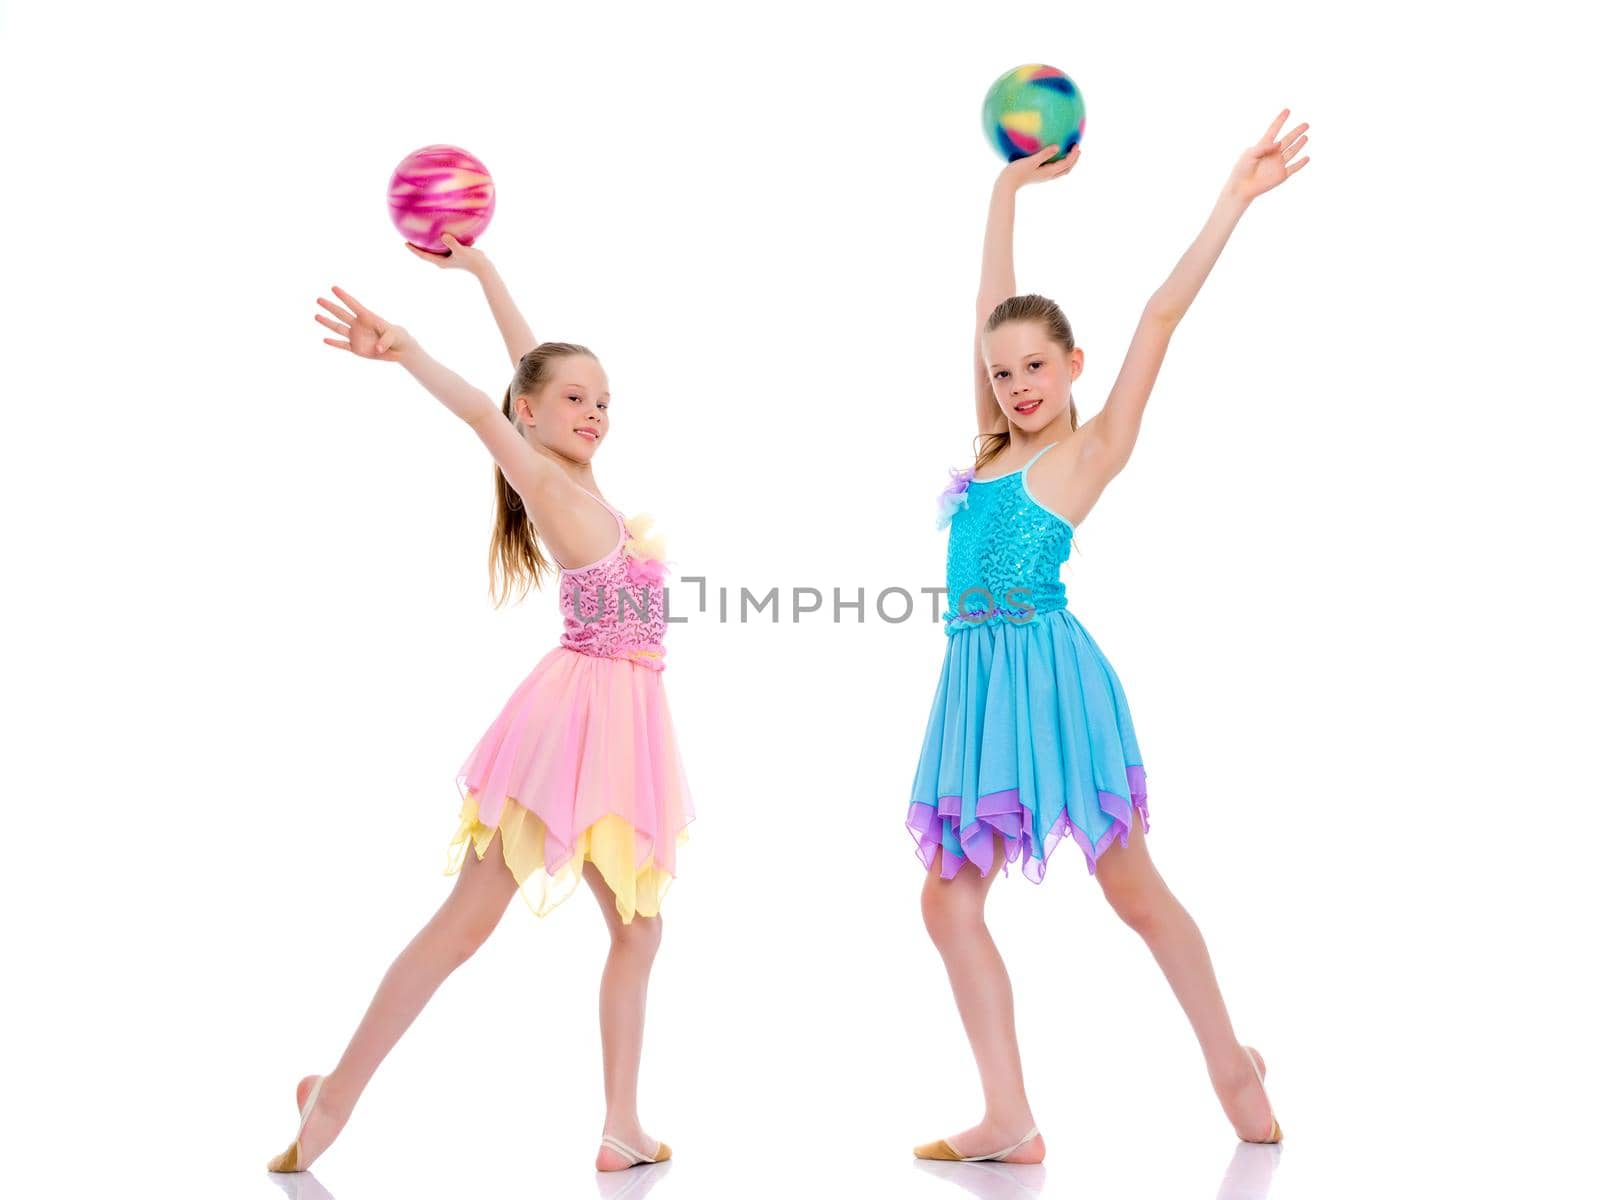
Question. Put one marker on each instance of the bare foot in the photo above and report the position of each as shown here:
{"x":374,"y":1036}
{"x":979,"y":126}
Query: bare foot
{"x":323,"y":1124}
{"x":988,"y":1136}
{"x":632,"y":1136}
{"x":1244,"y":1098}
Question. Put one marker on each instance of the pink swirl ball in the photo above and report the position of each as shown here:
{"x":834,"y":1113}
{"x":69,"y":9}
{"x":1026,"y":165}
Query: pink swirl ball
{"x":439,"y":190}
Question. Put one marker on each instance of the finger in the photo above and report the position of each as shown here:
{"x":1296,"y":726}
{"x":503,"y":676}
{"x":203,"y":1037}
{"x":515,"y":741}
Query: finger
{"x":338,"y":345}
{"x":1293,"y":167}
{"x":1064,"y":165}
{"x":385,"y":341}
{"x":449,"y":239}
{"x":1272,"y":130}
{"x":343,"y":330}
{"x":348,"y":318}
{"x":1293,"y":148}
{"x":427,"y":255}
{"x":354,"y":304}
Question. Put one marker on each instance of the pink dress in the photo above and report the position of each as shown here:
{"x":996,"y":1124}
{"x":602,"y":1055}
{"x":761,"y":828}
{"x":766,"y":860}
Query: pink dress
{"x":582,"y":764}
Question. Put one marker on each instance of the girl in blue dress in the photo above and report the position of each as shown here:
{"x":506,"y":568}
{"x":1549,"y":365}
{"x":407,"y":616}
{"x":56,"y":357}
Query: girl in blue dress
{"x":1029,"y":739}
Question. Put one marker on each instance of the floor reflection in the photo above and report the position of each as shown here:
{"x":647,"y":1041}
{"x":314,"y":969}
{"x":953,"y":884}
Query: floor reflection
{"x":632,"y":1184}
{"x":1248,"y":1175}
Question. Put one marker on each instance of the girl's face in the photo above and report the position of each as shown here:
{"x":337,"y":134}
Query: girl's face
{"x":571,"y":413}
{"x":1031,"y":374}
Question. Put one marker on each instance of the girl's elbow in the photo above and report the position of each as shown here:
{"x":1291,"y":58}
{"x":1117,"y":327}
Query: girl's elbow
{"x":1164,"y":311}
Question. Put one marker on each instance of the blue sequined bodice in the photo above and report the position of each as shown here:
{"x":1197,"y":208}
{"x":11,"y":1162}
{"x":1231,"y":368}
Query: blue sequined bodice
{"x":1005,"y":554}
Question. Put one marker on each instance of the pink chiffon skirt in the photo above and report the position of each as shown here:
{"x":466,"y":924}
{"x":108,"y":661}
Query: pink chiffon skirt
{"x":581,"y":765}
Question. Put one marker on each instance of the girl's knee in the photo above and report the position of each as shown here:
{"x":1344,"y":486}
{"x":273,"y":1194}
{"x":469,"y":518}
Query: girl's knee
{"x":1134,"y":897}
{"x":640,"y":937}
{"x":947,"y":910}
{"x":464,"y":933}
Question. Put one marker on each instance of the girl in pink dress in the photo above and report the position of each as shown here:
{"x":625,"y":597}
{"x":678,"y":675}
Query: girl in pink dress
{"x":579,"y":775}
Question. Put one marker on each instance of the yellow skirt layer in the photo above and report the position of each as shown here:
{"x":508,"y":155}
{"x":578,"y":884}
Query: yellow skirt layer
{"x":609,"y":844}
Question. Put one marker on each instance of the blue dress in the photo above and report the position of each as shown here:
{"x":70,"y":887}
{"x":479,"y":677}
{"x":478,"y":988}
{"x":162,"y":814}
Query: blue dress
{"x":1029,"y":734}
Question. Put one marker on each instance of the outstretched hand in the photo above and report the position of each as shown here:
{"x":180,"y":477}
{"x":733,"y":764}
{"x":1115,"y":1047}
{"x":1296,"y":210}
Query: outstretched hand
{"x":1269,"y":162}
{"x":462,"y":258}
{"x":1036,"y":168}
{"x":363,"y":332}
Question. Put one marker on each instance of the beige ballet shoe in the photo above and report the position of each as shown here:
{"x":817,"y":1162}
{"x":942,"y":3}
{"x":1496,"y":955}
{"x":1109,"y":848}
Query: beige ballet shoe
{"x":289,"y":1160}
{"x":1276,"y":1134}
{"x":663,"y":1152}
{"x":943,"y":1151}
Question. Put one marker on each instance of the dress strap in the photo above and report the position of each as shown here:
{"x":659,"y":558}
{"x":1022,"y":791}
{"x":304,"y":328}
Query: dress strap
{"x":1036,"y":457}
{"x":622,"y":533}
{"x":612,"y":509}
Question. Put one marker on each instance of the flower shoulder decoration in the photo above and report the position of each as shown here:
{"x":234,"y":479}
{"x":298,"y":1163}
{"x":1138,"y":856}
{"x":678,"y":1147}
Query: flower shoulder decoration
{"x":954,"y":496}
{"x":646,"y":551}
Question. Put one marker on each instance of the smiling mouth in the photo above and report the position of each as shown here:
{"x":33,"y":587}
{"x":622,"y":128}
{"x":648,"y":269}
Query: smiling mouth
{"x":588,"y":433}
{"x":1026,"y":406}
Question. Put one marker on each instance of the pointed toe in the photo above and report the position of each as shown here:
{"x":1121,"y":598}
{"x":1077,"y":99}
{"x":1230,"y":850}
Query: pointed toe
{"x":288,"y":1161}
{"x":1259,"y":1066}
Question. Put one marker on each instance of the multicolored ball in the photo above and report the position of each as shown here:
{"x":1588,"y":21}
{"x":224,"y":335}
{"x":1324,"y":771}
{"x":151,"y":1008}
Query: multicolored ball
{"x":1032,"y":107}
{"x":438,"y":190}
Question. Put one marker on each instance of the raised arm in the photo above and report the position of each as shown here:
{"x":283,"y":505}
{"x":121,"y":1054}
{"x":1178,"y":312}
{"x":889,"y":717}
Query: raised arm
{"x":997,"y":279}
{"x":1115,"y":428}
{"x":542,"y":486}
{"x":514,"y":329}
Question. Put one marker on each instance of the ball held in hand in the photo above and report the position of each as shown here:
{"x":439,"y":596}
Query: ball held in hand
{"x":437,"y":190}
{"x":1032,"y":107}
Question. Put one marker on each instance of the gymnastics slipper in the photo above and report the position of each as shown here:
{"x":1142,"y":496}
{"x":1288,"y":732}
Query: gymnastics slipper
{"x":663,"y":1151}
{"x":943,"y":1151}
{"x":289,"y":1160}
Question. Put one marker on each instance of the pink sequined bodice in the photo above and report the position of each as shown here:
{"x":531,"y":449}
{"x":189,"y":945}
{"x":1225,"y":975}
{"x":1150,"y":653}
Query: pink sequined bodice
{"x":616,"y":608}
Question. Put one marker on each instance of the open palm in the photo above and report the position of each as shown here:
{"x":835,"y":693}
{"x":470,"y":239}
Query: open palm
{"x":362,"y":332}
{"x":457,"y":257}
{"x":1270,"y":161}
{"x":1037,"y":167}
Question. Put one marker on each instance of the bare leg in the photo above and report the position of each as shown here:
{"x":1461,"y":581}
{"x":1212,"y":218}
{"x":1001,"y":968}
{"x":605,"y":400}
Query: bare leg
{"x":623,"y":984}
{"x":463,"y":922}
{"x":952,"y":909}
{"x":1141,"y":898}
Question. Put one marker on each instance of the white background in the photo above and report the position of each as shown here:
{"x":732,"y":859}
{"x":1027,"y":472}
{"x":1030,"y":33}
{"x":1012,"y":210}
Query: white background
{"x":1344,"y":581}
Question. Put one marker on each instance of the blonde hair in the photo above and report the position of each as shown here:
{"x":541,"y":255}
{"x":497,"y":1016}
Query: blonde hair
{"x":1026,"y":308}
{"x":515,"y":556}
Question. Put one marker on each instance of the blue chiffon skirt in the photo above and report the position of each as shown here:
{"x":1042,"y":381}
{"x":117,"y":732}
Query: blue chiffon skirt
{"x":1029,"y":736}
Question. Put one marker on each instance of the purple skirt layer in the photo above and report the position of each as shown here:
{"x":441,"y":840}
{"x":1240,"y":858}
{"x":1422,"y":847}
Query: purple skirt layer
{"x":1003,"y":813}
